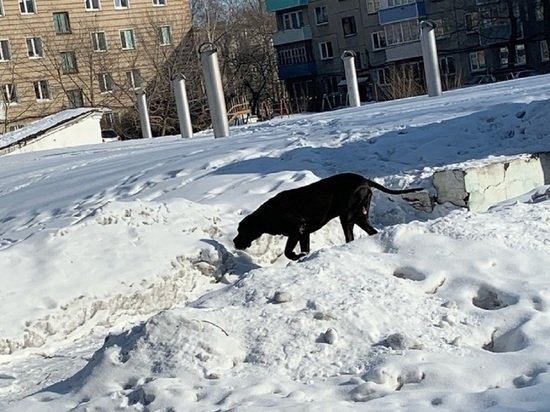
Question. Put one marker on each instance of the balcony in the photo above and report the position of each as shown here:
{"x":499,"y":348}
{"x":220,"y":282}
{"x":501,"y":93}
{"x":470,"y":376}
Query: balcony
{"x":404,"y":51}
{"x":400,"y":13}
{"x":292,"y":36}
{"x":276,"y":5}
{"x":291,"y":71}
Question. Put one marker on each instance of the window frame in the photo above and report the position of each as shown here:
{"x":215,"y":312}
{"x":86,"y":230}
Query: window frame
{"x":324,"y":51}
{"x":123,"y":39}
{"x":9,"y":94}
{"x":376,"y":38}
{"x":89,"y":5}
{"x":544,"y":51}
{"x":293,"y":20}
{"x":32,"y":43}
{"x":135,"y":81}
{"x":75,"y":103}
{"x":5,"y":50}
{"x":159,"y":3}
{"x":479,"y":67}
{"x":2,"y":12}
{"x":121,"y":7}
{"x":321,"y":15}
{"x":68,"y":62}
{"x":106,"y":82}
{"x":96,"y":42}
{"x":66,"y":22}
{"x":40,"y":83}
{"x":23,"y":4}
{"x":349,"y":21}
{"x":162,"y":37}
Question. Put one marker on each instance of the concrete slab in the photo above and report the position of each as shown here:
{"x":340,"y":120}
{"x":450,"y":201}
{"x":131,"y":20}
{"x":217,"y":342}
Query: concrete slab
{"x":481,"y":186}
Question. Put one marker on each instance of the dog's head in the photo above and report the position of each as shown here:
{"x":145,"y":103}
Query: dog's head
{"x":247,"y":232}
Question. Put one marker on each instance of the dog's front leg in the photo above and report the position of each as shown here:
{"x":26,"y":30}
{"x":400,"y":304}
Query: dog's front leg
{"x":289,"y":248}
{"x":304,"y":243}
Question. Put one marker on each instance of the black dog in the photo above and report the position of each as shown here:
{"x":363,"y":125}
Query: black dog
{"x":298,"y":212}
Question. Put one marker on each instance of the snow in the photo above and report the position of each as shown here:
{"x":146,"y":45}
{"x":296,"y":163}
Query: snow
{"x":121,"y":289}
{"x":42,"y":125}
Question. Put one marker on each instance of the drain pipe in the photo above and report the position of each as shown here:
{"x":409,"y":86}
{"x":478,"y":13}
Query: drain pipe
{"x":214,"y":89}
{"x":143,"y":114}
{"x":182,"y":106}
{"x":429,"y":54}
{"x":348,"y":57}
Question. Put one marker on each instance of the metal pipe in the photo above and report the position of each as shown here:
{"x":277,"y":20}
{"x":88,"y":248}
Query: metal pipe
{"x":144,"y":115}
{"x":214,"y":89}
{"x":182,"y":106}
{"x":348,"y":58}
{"x":429,"y":54}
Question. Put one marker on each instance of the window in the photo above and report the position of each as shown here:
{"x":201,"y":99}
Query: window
{"x":27,"y":6}
{"x":544,"y":55}
{"x":1,"y":9}
{"x":127,"y":39}
{"x":9,"y":93}
{"x":373,"y":6}
{"x":134,"y":78}
{"x":297,"y":55}
{"x":489,"y":17}
{"x":42,"y":90}
{"x":441,"y":28}
{"x":348,"y":25}
{"x":383,"y":76}
{"x":75,"y":98}
{"x":110,"y":119}
{"x":5,"y":53}
{"x":447,"y":65}
{"x":122,"y":4}
{"x":378,"y":40}
{"x":402,"y":32}
{"x":321,"y":16}
{"x":159,"y":2}
{"x":326,"y":50}
{"x":471,"y":20}
{"x":68,"y":62}
{"x":165,"y":35}
{"x":34,"y":47}
{"x":477,"y":61}
{"x":521,"y":58}
{"x":539,"y":11}
{"x":93,"y":5}
{"x":99,"y":41}
{"x":61,"y":22}
{"x":396,"y":3}
{"x":106,"y":83}
{"x":293,"y":20}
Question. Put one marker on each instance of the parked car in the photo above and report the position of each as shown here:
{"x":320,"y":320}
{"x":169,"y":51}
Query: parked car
{"x":514,"y":73}
{"x":480,"y":79}
{"x":109,"y":135}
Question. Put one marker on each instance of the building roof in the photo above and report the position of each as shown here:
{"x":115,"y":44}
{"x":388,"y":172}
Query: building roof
{"x":40,"y":127}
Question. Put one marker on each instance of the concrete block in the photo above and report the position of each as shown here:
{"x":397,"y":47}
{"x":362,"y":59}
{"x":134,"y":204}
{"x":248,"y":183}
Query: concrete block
{"x":481,"y":186}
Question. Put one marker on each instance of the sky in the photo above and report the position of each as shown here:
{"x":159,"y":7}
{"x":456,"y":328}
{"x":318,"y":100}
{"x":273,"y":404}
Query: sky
{"x":121,"y":289}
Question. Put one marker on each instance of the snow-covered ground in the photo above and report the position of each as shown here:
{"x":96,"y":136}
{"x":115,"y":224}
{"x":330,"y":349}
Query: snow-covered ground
{"x":121,"y":289}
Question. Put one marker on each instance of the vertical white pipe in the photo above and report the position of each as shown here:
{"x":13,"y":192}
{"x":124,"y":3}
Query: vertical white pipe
{"x":182,"y":106}
{"x":429,"y":54}
{"x":214,"y":90}
{"x":144,"y":115}
{"x":351,"y":78}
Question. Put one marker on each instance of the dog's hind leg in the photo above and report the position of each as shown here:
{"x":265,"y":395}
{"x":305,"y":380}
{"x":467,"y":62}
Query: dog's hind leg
{"x":304,"y":243}
{"x":347,"y":226}
{"x":361,"y":217}
{"x":291,"y":243}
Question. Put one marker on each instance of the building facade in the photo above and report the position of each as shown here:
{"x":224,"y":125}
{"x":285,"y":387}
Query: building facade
{"x":59,"y":54}
{"x":474,"y":37}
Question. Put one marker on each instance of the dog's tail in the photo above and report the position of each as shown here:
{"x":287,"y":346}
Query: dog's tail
{"x":392,"y":191}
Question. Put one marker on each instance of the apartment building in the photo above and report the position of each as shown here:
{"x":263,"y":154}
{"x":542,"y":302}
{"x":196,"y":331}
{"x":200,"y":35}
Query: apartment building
{"x":57,"y":54}
{"x":473,"y":37}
